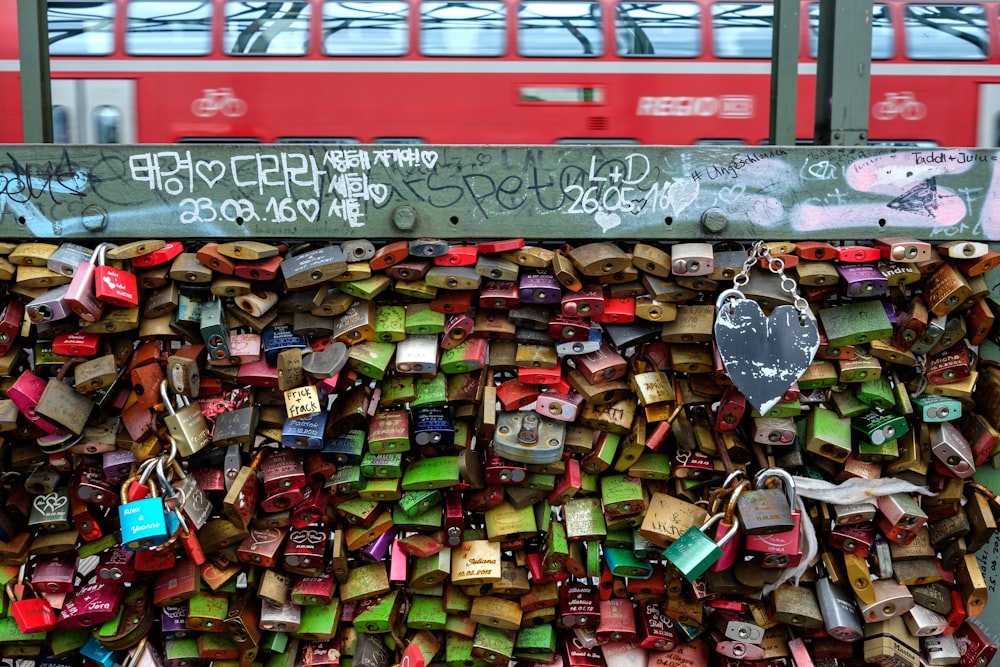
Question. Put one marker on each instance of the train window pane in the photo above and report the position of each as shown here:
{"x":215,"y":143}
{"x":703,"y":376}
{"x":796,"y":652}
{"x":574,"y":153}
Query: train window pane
{"x":658,"y":29}
{"x":80,"y":28}
{"x":946,"y":32}
{"x":365,"y":28}
{"x":107,"y":121}
{"x":317,"y":140}
{"x":742,"y":30}
{"x":219,"y":140}
{"x":267,"y":28}
{"x":560,"y":29}
{"x":882,"y":33}
{"x":462,"y":28}
{"x":168,"y":28}
{"x":60,"y":124}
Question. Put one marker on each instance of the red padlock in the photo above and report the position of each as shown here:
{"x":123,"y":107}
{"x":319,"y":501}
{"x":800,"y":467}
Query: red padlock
{"x":115,"y":286}
{"x":31,"y":612}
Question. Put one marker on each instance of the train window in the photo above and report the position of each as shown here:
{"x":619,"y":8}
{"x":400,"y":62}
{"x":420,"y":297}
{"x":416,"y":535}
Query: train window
{"x":946,"y":32}
{"x":720,"y":142}
{"x":658,"y":29}
{"x":80,"y":28}
{"x":107,"y":123}
{"x":317,"y":140}
{"x":560,"y":94}
{"x":592,"y":141}
{"x":219,"y":140}
{"x":365,"y":28}
{"x":882,"y":33}
{"x":742,"y":29}
{"x":560,"y":29}
{"x":475,"y":29}
{"x":60,"y":124}
{"x":168,"y":28}
{"x":267,"y":28}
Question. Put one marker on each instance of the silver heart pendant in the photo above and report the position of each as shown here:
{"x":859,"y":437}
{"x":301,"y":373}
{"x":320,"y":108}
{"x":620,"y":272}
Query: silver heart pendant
{"x":763,"y":356}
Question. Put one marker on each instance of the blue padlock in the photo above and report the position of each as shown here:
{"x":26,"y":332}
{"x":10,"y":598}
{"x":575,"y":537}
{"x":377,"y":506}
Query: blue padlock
{"x":94,"y":651}
{"x":143,"y":523}
{"x":304,"y":432}
{"x":624,"y":563}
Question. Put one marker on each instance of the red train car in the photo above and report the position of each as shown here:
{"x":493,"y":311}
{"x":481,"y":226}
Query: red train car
{"x":486,"y":71}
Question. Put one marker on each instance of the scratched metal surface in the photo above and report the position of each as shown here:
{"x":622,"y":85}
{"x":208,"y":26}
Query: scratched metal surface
{"x":555,"y":193}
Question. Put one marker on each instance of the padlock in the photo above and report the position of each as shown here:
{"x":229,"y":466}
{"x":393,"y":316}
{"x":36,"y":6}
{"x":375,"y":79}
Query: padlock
{"x":694,"y":552}
{"x":187,"y":426}
{"x":767,"y":511}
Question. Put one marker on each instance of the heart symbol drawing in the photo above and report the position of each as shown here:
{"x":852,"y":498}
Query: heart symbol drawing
{"x":210,"y":171}
{"x":763,"y":356}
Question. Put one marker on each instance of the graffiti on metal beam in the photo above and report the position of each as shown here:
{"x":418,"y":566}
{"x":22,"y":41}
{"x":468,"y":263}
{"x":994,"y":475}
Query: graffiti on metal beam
{"x":547,"y":192}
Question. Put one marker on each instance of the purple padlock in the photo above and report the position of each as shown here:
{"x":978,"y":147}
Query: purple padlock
{"x":862,"y":280}
{"x":376,"y":551}
{"x":539,"y":286}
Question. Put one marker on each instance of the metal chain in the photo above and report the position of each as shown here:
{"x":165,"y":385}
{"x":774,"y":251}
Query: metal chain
{"x":775,"y":265}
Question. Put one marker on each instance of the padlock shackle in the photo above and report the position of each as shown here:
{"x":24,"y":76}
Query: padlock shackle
{"x":97,"y":259}
{"x":786,"y":477}
{"x":168,"y":402}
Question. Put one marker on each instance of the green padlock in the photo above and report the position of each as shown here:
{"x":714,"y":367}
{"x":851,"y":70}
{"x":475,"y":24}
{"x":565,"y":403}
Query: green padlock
{"x":371,"y":358}
{"x":456,"y":601}
{"x":876,"y":393}
{"x":364,"y":582}
{"x":381,"y":490}
{"x":422,"y":320}
{"x":428,"y":571}
{"x":505,"y":522}
{"x":584,"y":519}
{"x":622,"y":495}
{"x":855,"y":323}
{"x":381,"y":616}
{"x":694,"y":552}
{"x":428,"y":520}
{"x":412,"y":503}
{"x":555,"y":551}
{"x":437,"y":472}
{"x":426,"y":613}
{"x":320,"y":622}
{"x":458,"y":652}
{"x":382,"y":466}
{"x":493,"y":645}
{"x":432,"y":392}
{"x":536,"y":643}
{"x":827,"y":434}
{"x":651,"y":465}
{"x":389,"y":323}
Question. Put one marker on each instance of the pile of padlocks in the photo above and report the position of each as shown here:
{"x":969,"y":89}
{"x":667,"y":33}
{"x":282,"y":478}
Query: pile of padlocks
{"x":329,"y":454}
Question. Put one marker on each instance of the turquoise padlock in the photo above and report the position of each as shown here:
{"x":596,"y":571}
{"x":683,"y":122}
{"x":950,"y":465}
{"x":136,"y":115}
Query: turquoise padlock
{"x":694,"y":551}
{"x":143,"y":523}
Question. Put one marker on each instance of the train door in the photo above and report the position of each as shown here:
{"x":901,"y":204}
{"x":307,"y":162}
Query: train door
{"x":988,"y":130}
{"x":93,"y":111}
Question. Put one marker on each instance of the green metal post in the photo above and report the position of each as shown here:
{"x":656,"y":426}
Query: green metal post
{"x":784,"y":72}
{"x":843,"y":72}
{"x":36,"y":80}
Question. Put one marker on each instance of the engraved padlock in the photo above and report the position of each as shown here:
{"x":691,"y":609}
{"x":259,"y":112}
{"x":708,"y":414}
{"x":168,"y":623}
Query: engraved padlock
{"x":81,"y":295}
{"x":779,"y":549}
{"x":766,"y":511}
{"x":114,"y":286}
{"x":187,"y":426}
{"x":142,"y":516}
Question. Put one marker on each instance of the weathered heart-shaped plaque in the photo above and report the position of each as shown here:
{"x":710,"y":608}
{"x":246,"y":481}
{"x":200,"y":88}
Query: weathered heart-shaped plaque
{"x":763,"y":356}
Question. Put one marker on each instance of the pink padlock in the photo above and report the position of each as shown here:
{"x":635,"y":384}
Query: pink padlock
{"x":729,"y":522}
